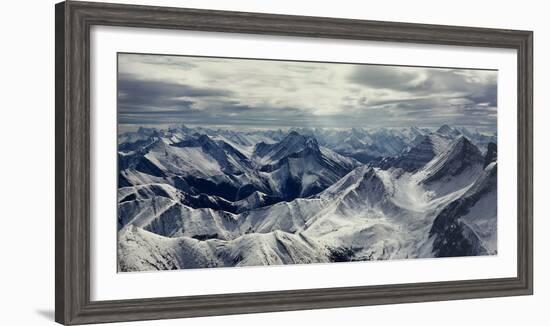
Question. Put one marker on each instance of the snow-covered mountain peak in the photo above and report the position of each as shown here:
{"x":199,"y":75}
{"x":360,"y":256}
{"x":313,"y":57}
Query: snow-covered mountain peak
{"x":419,"y":155}
{"x":296,"y":140}
{"x":468,"y":225}
{"x":202,"y":197}
{"x":312,"y":143}
{"x":462,"y":162}
{"x":292,"y":143}
{"x":347,"y":181}
{"x":463,"y":148}
{"x":204,"y":139}
{"x":448,"y":131}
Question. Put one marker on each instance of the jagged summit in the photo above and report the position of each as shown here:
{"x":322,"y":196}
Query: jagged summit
{"x":294,"y":142}
{"x":446,"y":130}
{"x":419,"y":155}
{"x":467,"y":226}
{"x":463,"y":148}
{"x":462,"y":156}
{"x":194,"y":197}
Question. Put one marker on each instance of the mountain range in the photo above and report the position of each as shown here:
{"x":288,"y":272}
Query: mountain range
{"x":200,"y":197}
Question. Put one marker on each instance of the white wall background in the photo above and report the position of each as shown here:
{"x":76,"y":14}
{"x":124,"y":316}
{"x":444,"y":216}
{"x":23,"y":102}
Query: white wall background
{"x":27,"y":160}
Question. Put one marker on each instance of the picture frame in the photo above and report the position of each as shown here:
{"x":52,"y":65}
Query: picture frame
{"x":74,"y":19}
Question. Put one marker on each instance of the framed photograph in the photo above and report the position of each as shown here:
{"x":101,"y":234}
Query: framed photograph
{"x":216,"y":162}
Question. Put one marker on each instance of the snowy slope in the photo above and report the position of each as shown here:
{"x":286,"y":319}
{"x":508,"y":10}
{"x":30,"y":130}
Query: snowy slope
{"x":467,"y":225}
{"x":295,"y":167}
{"x":425,"y":149}
{"x":142,"y":250}
{"x":193,"y":200}
{"x":298,"y":167}
{"x":455,"y":168}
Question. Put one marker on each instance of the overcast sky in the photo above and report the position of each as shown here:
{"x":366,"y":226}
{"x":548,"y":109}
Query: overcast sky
{"x":157,"y":89}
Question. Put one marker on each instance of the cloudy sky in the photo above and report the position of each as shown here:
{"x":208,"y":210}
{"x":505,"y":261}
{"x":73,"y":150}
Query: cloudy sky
{"x":158,"y":89}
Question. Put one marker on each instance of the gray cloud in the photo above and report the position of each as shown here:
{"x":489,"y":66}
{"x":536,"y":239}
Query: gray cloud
{"x":476,"y":86}
{"x":135,"y":95}
{"x":389,"y":77}
{"x":262,"y":93}
{"x":170,"y":61}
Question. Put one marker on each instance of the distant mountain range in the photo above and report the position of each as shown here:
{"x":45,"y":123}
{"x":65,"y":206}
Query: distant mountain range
{"x":199,"y":197}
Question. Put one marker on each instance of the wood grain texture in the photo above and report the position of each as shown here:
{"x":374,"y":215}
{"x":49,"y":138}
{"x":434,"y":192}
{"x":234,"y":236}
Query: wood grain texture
{"x":73,"y":22}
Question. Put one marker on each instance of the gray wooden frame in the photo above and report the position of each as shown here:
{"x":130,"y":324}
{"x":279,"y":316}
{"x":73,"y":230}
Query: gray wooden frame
{"x":72,"y":171}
